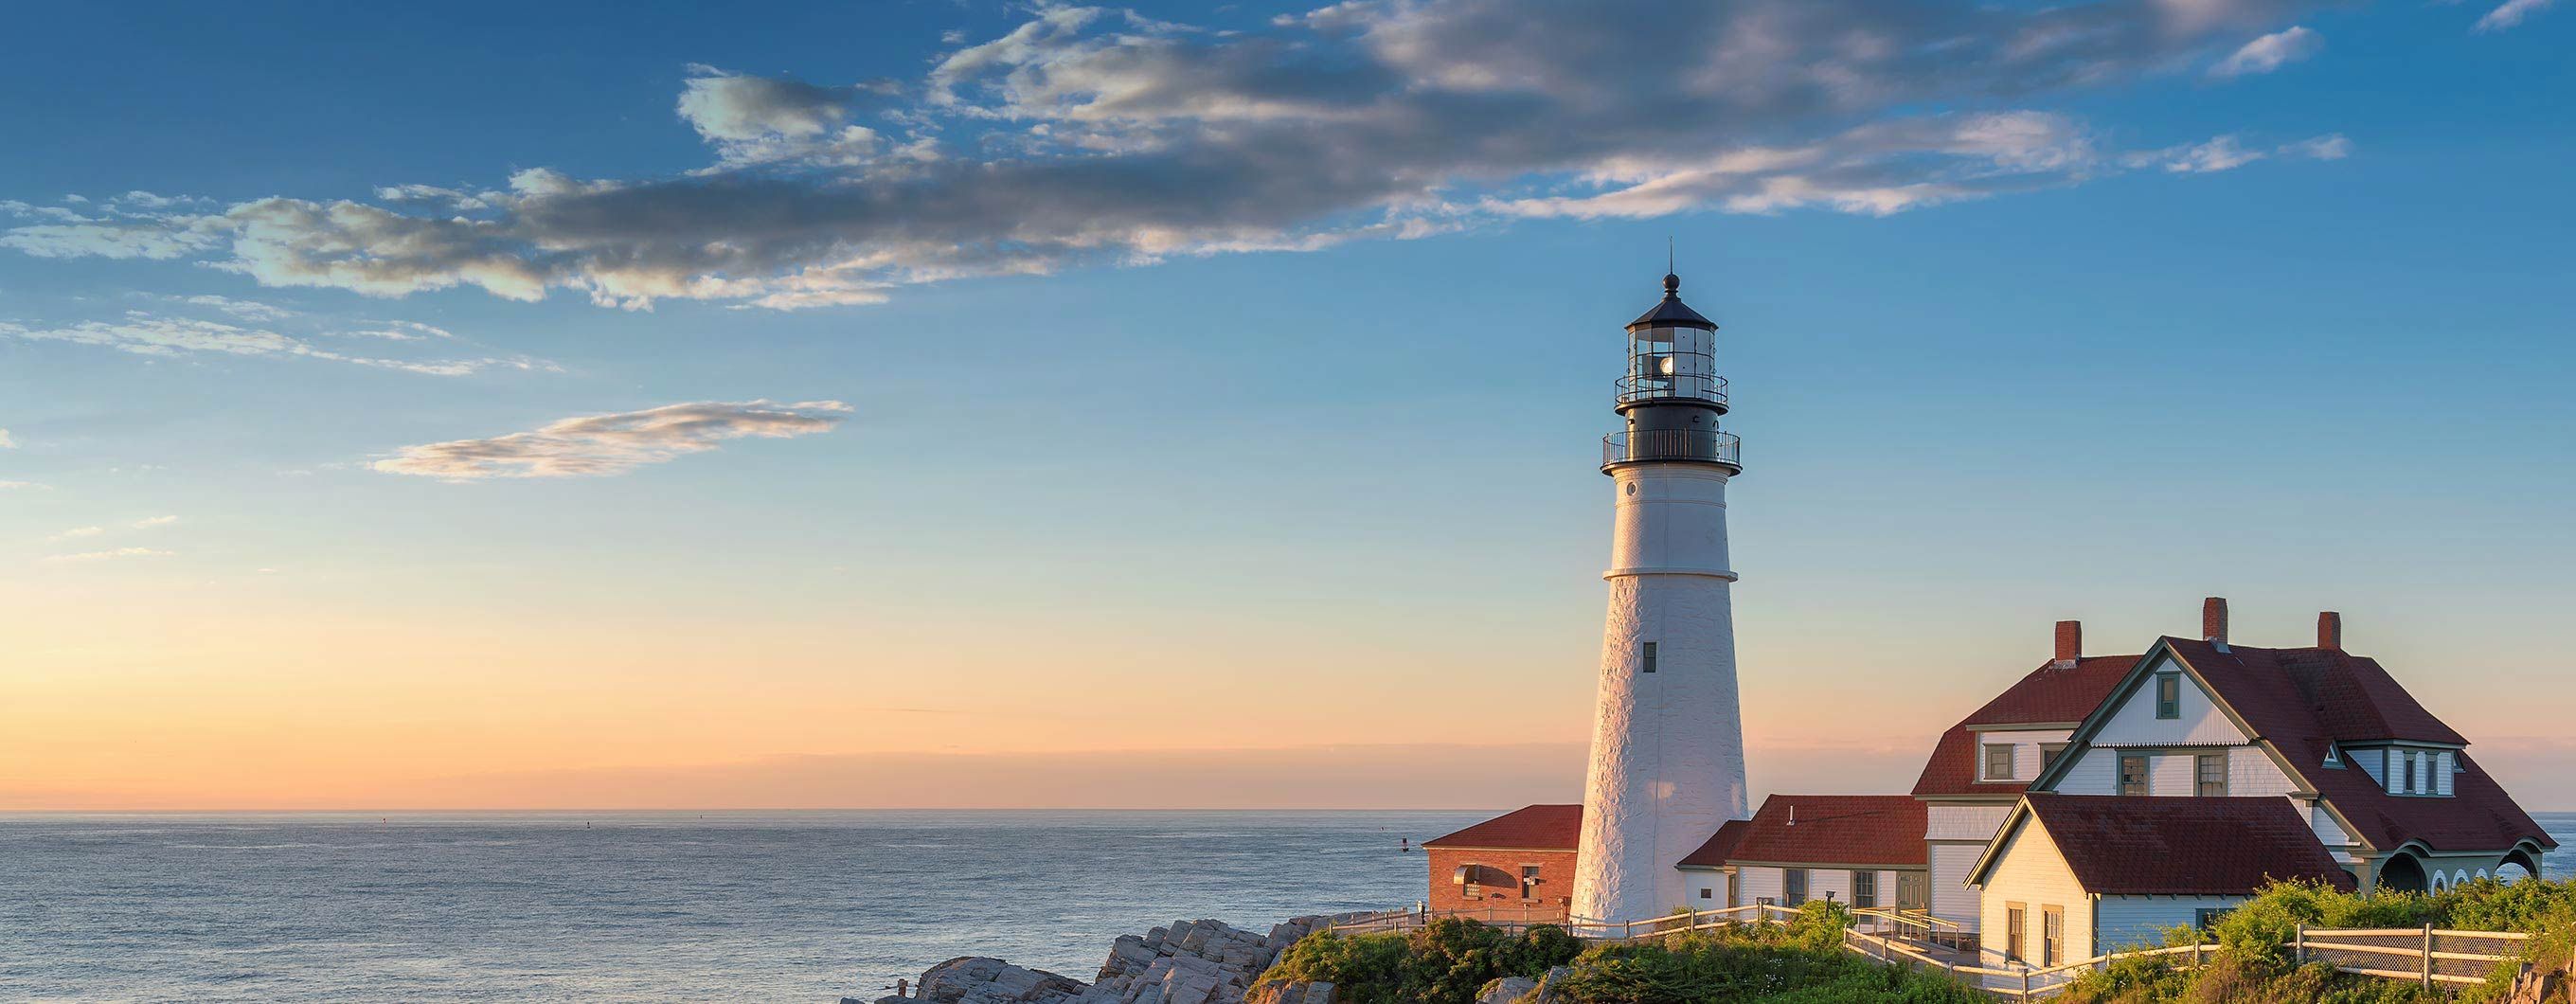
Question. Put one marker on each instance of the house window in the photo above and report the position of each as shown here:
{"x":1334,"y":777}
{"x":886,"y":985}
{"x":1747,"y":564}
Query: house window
{"x":1706,"y":892}
{"x":2016,"y":931}
{"x":2410,"y":775}
{"x":1793,"y":886}
{"x":1864,"y":890}
{"x":1734,"y":889}
{"x":2052,"y":935}
{"x":2213,"y":775}
{"x":2048,"y":754}
{"x":1999,"y":765}
{"x":2206,"y":920}
{"x":1529,"y":882}
{"x":2169,"y":695}
{"x":2133,"y":774}
{"x":1646,"y":659}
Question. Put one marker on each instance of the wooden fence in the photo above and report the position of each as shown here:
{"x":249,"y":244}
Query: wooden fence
{"x":2427,"y":954}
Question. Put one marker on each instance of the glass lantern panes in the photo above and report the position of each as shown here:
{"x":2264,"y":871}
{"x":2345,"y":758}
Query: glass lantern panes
{"x":1671,"y":363}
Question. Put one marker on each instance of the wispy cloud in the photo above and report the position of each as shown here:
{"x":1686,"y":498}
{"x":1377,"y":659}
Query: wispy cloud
{"x":153,"y":521}
{"x":78,"y":532}
{"x":13,"y":485}
{"x":2270,"y":52}
{"x":613,"y":444}
{"x":108,"y":555}
{"x":2227,"y":153}
{"x":147,"y":334}
{"x":2511,"y":13}
{"x":7,"y":441}
{"x":1089,"y":136}
{"x":249,"y":310}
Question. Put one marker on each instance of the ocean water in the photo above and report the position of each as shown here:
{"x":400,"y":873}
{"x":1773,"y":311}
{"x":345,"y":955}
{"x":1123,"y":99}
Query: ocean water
{"x":796,"y":906}
{"x":784,"y":906}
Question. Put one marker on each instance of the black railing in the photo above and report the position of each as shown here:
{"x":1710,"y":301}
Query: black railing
{"x":1668,"y":386}
{"x":1707,"y":445}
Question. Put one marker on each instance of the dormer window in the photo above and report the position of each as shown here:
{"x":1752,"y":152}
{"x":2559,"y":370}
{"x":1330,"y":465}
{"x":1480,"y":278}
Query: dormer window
{"x":2168,"y":695}
{"x":1999,"y":761}
{"x":2334,"y":757}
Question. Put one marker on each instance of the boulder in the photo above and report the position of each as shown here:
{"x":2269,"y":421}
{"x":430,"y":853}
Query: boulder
{"x":985,"y":980}
{"x":1506,"y":990}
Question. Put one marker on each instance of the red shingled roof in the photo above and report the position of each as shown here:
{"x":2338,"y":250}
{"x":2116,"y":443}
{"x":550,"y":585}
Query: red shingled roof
{"x":2304,"y":700}
{"x":2181,"y":846}
{"x":1720,"y":846}
{"x":1835,"y":830}
{"x":2046,"y":696}
{"x":1530,"y":828}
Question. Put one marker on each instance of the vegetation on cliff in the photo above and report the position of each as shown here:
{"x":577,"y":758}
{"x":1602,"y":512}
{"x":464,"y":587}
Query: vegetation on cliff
{"x":1449,"y":961}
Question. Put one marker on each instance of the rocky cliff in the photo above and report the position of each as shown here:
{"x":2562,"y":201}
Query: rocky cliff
{"x":1189,"y":962}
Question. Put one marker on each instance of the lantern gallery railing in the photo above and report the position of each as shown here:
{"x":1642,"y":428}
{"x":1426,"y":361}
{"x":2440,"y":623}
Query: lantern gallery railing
{"x":1665,"y":386}
{"x":1707,"y":445}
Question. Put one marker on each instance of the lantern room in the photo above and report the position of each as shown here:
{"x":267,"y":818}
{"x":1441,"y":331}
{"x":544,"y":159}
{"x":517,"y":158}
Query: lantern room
{"x":1672,"y":355}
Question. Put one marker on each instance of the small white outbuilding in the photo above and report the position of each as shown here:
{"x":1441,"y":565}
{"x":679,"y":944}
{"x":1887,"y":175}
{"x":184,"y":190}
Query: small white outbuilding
{"x":2069,"y":877}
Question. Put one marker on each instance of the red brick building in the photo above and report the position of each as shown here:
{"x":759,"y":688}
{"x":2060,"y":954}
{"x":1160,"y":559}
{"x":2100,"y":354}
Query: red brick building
{"x":1520,"y":864}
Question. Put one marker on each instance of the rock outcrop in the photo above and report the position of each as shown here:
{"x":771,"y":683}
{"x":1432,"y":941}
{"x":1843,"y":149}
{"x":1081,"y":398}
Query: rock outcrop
{"x":1189,"y":962}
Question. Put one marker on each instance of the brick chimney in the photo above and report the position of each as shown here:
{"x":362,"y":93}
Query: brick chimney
{"x":2070,"y":644}
{"x":2213,"y":621}
{"x":2330,"y":631}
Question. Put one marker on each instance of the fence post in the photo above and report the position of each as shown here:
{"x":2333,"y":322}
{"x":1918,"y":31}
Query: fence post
{"x":2428,"y":956}
{"x":2299,"y":948}
{"x":2025,"y":983}
{"x":2195,"y":954}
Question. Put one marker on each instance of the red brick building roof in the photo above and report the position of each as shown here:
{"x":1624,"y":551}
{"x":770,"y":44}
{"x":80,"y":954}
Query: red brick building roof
{"x":1720,"y":846}
{"x":2048,"y":696}
{"x":1885,"y":830}
{"x":1531,"y":828}
{"x":2178,"y":846}
{"x":2305,"y":701}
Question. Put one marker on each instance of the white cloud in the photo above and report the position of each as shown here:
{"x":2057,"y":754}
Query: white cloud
{"x":2223,"y":153}
{"x":613,"y":444}
{"x":248,"y":310}
{"x":12,"y":485}
{"x":2511,"y":13}
{"x":78,"y":532}
{"x":109,"y":555}
{"x":1088,"y":136}
{"x":7,"y":442}
{"x":153,"y":521}
{"x":2270,"y":52}
{"x":146,"y":334}
{"x":2333,"y":146}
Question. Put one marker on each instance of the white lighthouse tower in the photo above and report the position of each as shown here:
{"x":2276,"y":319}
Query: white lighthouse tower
{"x":1667,"y":738}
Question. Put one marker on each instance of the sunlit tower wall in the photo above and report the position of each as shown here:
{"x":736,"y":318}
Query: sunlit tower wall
{"x":1667,"y":738}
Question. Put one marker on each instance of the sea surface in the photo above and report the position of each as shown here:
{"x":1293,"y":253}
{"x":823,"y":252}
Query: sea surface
{"x":790,"y":906}
{"x":730,"y":906}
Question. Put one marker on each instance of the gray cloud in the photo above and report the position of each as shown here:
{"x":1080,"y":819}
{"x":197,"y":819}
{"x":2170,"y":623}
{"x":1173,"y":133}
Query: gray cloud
{"x":613,"y":444}
{"x":1096,"y":136}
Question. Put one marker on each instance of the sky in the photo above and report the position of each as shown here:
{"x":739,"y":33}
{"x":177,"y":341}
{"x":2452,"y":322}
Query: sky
{"x":971,"y":404}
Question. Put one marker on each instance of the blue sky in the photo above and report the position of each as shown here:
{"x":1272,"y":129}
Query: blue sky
{"x":996,"y":361}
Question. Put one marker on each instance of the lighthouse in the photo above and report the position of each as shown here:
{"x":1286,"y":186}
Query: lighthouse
{"x":1667,"y":737}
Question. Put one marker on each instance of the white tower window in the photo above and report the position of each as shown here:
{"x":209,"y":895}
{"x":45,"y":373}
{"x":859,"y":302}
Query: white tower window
{"x":1646,"y":658}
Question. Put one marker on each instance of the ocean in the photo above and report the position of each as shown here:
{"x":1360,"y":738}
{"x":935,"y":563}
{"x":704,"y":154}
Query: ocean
{"x":724,"y":906}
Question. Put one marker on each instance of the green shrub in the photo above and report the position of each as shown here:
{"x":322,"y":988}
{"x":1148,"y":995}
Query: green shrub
{"x":1444,"y":962}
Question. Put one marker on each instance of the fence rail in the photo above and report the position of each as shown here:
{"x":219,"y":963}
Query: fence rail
{"x":2437,"y":955}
